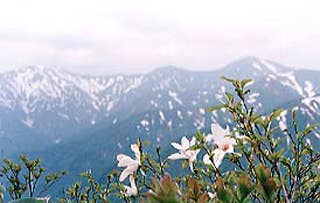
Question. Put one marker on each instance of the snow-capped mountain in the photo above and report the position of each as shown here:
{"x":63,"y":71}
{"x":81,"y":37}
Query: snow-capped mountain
{"x":52,"y":101}
{"x":55,"y":104}
{"x":77,"y":122}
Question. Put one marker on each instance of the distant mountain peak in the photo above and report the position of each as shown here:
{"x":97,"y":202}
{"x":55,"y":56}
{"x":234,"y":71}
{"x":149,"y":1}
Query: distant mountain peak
{"x":37,"y":70}
{"x":250,"y":59}
{"x":252,"y":65}
{"x":34,"y":68}
{"x":167,"y":69}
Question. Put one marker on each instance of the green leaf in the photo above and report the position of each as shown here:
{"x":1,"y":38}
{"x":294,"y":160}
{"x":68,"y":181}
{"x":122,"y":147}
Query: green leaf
{"x":275,"y":114}
{"x":245,"y":82}
{"x":267,"y":183}
{"x":247,"y":92}
{"x":228,"y":79}
{"x":184,"y":164}
{"x":229,"y":96}
{"x":199,"y":136}
{"x":261,"y":121}
{"x":310,"y":128}
{"x":278,"y":154}
{"x":215,"y":108}
{"x":222,"y":193}
{"x":147,"y":142}
{"x":195,"y":147}
{"x":244,"y":186}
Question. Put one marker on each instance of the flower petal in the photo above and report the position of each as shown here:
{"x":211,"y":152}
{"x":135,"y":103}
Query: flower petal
{"x":177,"y":156}
{"x":216,"y":129}
{"x":211,"y":195}
{"x":192,"y":154}
{"x":132,"y":190}
{"x":193,"y":141}
{"x":209,"y":138}
{"x":206,"y":159}
{"x":135,"y":149}
{"x":191,"y":165}
{"x":230,"y":149}
{"x":176,"y":145}
{"x":232,"y":141}
{"x":124,"y":160}
{"x":128,"y":171}
{"x":218,"y":132}
{"x":218,"y":157}
{"x":185,"y":143}
{"x":124,"y":174}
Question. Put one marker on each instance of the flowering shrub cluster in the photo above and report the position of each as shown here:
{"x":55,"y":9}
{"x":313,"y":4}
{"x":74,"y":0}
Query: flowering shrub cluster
{"x":251,"y":161}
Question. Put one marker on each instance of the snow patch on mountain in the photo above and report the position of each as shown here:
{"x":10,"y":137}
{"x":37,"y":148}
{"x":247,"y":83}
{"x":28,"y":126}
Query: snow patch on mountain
{"x":309,"y":88}
{"x":161,"y":114}
{"x":257,"y":66}
{"x":144,"y":123}
{"x":202,"y":111}
{"x":286,"y":78}
{"x":252,"y":98}
{"x":313,"y":103}
{"x":179,"y":114}
{"x":199,"y":123}
{"x":154,"y":104}
{"x":170,"y":105}
{"x":135,"y":84}
{"x":169,"y":124}
{"x":174,"y":95}
{"x":28,"y":122}
{"x":283,"y":120}
{"x":292,"y":82}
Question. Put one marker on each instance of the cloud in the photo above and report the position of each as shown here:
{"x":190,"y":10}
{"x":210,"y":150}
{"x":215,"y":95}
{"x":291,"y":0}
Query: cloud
{"x":136,"y":36}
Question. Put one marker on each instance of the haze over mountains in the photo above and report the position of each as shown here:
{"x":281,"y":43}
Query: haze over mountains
{"x":78,"y":122}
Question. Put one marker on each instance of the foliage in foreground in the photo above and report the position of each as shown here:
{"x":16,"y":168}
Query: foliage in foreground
{"x":27,"y":176}
{"x":251,"y":161}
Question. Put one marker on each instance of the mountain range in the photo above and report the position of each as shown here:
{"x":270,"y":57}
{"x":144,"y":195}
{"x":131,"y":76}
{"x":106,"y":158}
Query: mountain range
{"x":77,"y":122}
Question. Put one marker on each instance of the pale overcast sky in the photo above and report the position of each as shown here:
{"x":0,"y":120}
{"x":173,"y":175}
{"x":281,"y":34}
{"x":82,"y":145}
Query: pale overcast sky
{"x":112,"y":36}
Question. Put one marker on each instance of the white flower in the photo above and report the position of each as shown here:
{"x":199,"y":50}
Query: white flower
{"x":225,"y":144}
{"x":131,"y":190}
{"x":211,"y":195}
{"x":184,"y":151}
{"x":131,"y":165}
